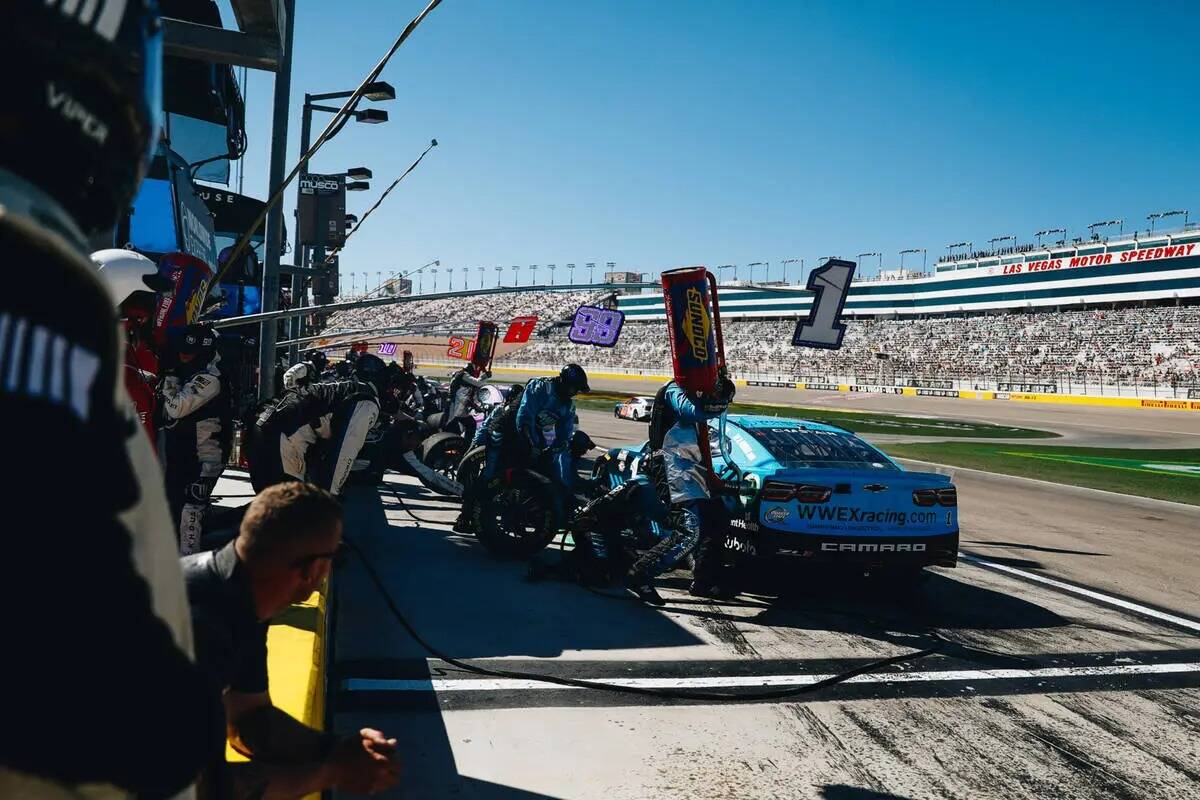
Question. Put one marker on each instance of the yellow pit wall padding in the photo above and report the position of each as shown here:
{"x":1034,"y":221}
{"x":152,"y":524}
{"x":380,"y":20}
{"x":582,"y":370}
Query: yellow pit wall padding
{"x":296,"y":663}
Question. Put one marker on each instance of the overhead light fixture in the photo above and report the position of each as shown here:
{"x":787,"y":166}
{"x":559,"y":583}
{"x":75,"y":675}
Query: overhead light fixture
{"x":371,"y":116}
{"x":359,"y":174}
{"x":379,"y":90}
{"x":357,"y":186}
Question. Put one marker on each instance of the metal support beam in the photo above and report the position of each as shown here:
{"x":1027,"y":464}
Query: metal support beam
{"x":274,"y":315}
{"x":274,"y":233}
{"x":219,"y":45}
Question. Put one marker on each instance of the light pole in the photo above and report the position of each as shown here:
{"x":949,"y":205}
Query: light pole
{"x":1157,"y":215}
{"x":571,"y":272}
{"x":1105,"y":224}
{"x":920,"y":250}
{"x":787,"y":261}
{"x":879,"y":265}
{"x":591,"y":268}
{"x":481,"y":277}
{"x":995,"y":240}
{"x":610,"y":266}
{"x":379,"y":91}
{"x":551,"y":266}
{"x":752,"y":265}
{"x":722,"y":268}
{"x":953,"y":247}
{"x":499,"y":271}
{"x":516,"y":275}
{"x":434,"y":271}
{"x":824,"y":259}
{"x":1048,"y":231}
{"x":533,"y":274}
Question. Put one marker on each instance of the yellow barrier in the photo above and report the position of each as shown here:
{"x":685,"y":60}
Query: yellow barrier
{"x":296,"y":663}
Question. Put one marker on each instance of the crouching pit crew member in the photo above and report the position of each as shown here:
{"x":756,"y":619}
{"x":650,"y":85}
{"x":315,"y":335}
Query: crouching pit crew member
{"x":196,"y":429}
{"x":676,"y":468}
{"x":341,"y":412}
{"x":283,"y":552}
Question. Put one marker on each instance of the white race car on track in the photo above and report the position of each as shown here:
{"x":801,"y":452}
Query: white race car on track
{"x":635,"y":408}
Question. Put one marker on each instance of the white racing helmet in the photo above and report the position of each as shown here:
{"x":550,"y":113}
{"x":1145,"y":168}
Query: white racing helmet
{"x":125,"y":272}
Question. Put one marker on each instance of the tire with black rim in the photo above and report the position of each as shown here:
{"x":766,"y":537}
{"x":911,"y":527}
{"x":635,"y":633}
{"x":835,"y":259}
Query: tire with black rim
{"x":515,"y":521}
{"x":442,"y":453}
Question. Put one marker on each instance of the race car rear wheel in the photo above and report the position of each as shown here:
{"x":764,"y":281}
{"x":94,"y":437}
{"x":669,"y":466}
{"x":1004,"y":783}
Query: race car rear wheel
{"x":514,"y":522}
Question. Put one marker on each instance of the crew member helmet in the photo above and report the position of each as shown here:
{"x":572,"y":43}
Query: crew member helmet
{"x":126,"y":272}
{"x":573,"y":380}
{"x":84,"y":98}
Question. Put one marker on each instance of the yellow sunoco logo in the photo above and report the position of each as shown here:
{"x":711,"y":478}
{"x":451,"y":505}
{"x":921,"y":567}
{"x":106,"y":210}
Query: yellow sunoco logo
{"x":696,"y":324}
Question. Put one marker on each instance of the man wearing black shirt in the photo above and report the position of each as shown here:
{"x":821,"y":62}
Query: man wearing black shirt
{"x":284,"y":549}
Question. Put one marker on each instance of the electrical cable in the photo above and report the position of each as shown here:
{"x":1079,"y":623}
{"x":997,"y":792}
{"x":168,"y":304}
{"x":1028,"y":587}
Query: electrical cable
{"x":334,"y":125}
{"x":579,"y":683}
{"x":358,"y":226}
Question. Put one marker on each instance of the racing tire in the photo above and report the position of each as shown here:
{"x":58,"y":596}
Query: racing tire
{"x":471,"y":465}
{"x":515,"y":521}
{"x":442,"y":453}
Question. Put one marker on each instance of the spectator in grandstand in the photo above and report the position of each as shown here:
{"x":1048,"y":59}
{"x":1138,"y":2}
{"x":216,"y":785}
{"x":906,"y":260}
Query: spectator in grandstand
{"x":283,"y":552}
{"x":101,"y":544}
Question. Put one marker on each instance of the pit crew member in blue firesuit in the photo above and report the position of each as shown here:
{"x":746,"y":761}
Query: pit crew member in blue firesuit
{"x":195,"y":430}
{"x":676,"y":468}
{"x":600,"y":554}
{"x":342,"y":412}
{"x":536,"y":425}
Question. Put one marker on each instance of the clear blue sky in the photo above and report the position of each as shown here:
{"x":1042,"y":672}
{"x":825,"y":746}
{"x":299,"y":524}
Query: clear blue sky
{"x":675,"y":132}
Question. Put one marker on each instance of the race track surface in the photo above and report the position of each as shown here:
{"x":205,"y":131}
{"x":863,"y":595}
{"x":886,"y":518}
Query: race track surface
{"x":1069,"y":661}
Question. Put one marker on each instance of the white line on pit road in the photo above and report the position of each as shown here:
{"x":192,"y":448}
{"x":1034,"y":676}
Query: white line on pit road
{"x":756,"y":681}
{"x":1091,"y":594}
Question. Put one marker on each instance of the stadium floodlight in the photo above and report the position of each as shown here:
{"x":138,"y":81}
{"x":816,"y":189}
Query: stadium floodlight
{"x":378,"y":91}
{"x":799,"y":261}
{"x":499,"y":271}
{"x":824,"y":259}
{"x":571,"y":272}
{"x":879,"y":265}
{"x":920,"y":250}
{"x":1048,"y":231}
{"x":1157,"y":215}
{"x":533,"y":274}
{"x":752,"y":265}
{"x":956,"y":245}
{"x":357,"y":186}
{"x":371,"y":116}
{"x":1104,"y":224}
{"x":551,"y":268}
{"x":591,"y":268}
{"x":481,"y":277}
{"x":359,"y":174}
{"x":1009,"y":238}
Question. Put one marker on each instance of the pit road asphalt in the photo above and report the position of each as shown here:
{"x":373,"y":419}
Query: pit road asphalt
{"x":1070,"y":662}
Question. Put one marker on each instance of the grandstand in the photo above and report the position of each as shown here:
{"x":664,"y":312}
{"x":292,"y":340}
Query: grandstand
{"x":448,"y":315}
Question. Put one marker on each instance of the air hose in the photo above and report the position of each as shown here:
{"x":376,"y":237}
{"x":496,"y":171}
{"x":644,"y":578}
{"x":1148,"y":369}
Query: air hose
{"x":578,"y":683}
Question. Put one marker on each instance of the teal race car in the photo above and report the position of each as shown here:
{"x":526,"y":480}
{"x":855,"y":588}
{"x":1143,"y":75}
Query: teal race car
{"x":820,"y":493}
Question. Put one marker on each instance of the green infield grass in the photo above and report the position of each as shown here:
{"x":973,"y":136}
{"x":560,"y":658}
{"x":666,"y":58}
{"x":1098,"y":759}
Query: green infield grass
{"x":1163,"y":474}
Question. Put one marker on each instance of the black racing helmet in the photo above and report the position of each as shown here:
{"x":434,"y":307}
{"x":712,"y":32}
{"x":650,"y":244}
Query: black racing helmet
{"x":84,"y":98}
{"x":372,"y":369}
{"x":581,"y":444}
{"x":197,"y":340}
{"x":319,"y":360}
{"x":573,"y":380}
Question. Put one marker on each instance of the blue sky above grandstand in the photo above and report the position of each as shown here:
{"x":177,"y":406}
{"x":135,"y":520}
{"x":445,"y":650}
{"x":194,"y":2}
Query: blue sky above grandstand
{"x":659,"y":134}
